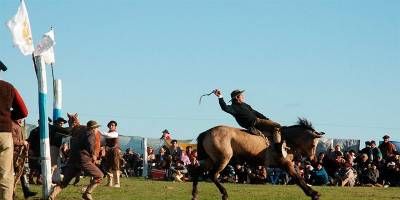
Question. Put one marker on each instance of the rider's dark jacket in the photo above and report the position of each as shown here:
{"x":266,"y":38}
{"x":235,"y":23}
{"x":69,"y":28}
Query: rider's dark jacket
{"x":243,"y":113}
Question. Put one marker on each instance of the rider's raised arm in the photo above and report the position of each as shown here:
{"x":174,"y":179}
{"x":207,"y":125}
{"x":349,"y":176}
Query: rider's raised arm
{"x":225,"y":107}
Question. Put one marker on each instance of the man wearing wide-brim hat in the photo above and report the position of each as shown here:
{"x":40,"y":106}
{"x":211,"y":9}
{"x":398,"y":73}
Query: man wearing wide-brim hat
{"x":387,"y":148}
{"x":249,"y":118}
{"x":83,"y":157}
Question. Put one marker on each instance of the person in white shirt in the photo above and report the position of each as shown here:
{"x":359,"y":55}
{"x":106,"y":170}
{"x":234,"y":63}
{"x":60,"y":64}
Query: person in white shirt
{"x":113,"y":155}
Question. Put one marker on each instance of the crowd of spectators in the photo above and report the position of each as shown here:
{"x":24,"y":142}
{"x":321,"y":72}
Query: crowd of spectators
{"x":375,"y":166}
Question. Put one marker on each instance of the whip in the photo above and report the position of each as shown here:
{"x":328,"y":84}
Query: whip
{"x":208,"y":94}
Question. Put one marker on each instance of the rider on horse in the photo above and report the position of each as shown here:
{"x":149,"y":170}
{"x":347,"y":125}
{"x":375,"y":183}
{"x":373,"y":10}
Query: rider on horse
{"x":249,"y":118}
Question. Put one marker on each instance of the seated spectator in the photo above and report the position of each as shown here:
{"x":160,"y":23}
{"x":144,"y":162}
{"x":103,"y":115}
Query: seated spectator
{"x":319,"y":175}
{"x":392,"y":175}
{"x":178,"y":171}
{"x":278,"y":176}
{"x":259,"y":175}
{"x":241,"y":173}
{"x":338,"y":150}
{"x":369,"y":177}
{"x":308,"y":169}
{"x":362,"y":165}
{"x":347,"y":175}
{"x":228,"y":175}
{"x":185,"y":158}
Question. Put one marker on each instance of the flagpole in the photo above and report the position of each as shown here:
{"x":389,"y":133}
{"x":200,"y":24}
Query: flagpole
{"x":43,"y":125}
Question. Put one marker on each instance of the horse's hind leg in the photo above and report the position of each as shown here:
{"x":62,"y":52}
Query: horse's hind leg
{"x":214,"y":173}
{"x":195,"y":178}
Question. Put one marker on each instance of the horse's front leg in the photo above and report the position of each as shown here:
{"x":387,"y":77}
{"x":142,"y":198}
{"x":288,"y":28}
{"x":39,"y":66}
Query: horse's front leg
{"x":289,"y":167}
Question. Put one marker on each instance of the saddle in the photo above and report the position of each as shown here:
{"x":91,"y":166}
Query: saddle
{"x":268,"y":137}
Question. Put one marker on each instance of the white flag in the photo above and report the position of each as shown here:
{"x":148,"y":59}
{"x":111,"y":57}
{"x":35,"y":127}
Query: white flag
{"x":45,"y":47}
{"x":21,"y":30}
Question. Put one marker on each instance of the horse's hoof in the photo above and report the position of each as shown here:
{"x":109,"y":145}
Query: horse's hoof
{"x":224,"y":197}
{"x":315,"y":197}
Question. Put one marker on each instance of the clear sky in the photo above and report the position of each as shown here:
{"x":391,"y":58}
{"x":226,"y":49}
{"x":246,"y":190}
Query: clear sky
{"x":146,"y":63}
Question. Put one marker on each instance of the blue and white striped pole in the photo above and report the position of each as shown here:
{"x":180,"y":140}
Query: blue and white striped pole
{"x":44,"y":127}
{"x":145,"y":162}
{"x":57,"y":106}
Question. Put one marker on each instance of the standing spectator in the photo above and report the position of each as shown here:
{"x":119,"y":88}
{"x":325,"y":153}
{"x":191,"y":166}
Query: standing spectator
{"x":376,"y":152}
{"x":175,"y":151}
{"x":20,"y":156}
{"x":151,"y":157}
{"x":387,"y":148}
{"x":162,"y":158}
{"x":56,"y":134}
{"x":12,"y":107}
{"x":113,"y":155}
{"x":367,"y":150}
{"x":34,"y":155}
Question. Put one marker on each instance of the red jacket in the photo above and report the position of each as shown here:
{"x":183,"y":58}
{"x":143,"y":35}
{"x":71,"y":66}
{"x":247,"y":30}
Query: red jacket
{"x":12,"y":106}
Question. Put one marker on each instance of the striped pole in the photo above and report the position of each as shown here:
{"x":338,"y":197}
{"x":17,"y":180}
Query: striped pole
{"x":57,"y":99}
{"x":44,"y":127}
{"x":145,"y":163}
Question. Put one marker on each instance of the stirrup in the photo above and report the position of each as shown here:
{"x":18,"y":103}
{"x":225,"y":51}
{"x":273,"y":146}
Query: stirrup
{"x":281,"y":149}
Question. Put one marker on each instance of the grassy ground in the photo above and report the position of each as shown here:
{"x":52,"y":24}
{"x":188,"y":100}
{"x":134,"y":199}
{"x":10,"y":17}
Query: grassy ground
{"x":138,"y":188}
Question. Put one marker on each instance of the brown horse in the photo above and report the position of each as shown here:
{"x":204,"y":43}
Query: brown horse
{"x":75,"y":126}
{"x":218,"y":145}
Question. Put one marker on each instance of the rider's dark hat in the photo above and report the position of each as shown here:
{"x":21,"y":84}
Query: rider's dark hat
{"x":234,"y":93}
{"x":3,"y":66}
{"x":386,"y":137}
{"x":60,"y":119}
{"x":111,"y":122}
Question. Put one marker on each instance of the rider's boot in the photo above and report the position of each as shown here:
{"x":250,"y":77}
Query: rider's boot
{"x":110,"y":178}
{"x":278,"y":144}
{"x":87,"y":195}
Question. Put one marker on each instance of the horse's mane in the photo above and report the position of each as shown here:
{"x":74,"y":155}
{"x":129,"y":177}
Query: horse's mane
{"x":303,"y":123}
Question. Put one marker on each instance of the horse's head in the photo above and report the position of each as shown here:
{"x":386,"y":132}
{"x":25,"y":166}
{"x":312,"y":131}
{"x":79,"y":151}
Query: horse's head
{"x":73,"y":120}
{"x":303,"y":138}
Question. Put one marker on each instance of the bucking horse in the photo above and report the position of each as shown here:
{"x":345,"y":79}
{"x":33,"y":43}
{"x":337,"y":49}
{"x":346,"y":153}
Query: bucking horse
{"x":219,"y":144}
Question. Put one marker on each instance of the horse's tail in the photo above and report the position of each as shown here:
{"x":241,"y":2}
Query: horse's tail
{"x":201,"y":153}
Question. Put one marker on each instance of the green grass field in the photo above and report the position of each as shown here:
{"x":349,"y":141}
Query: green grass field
{"x":138,"y":188}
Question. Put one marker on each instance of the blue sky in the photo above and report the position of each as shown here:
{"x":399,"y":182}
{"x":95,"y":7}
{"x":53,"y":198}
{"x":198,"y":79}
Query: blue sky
{"x":146,"y":63}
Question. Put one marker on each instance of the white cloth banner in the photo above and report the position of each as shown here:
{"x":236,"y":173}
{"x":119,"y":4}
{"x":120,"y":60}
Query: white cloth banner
{"x":20,"y":29}
{"x":45,"y":48}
